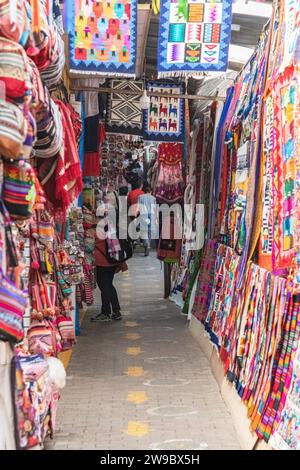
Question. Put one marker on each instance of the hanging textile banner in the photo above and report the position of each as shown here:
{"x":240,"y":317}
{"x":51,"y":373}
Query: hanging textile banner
{"x":102,"y":37}
{"x":124,"y":115}
{"x":164,"y":119}
{"x":194,"y":37}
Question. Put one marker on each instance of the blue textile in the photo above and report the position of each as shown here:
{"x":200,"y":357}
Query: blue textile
{"x":193,"y":36}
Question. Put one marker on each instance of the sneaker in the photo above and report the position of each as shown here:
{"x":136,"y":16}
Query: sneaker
{"x":116,"y":316}
{"x":100,"y":317}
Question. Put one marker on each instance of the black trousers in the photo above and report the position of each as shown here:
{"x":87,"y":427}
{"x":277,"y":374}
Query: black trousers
{"x":109,"y":296}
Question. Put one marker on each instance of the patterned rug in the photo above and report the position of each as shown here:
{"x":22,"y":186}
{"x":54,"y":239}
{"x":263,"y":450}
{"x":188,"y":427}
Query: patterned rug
{"x":205,"y":281}
{"x":124,"y":114}
{"x":164,"y":119}
{"x":102,"y":37}
{"x":194,"y":36}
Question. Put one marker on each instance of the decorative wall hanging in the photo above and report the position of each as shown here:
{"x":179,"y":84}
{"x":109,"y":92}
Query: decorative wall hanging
{"x":102,"y":37}
{"x":123,"y":112}
{"x":194,"y":37}
{"x":164,"y":120}
{"x":170,"y":185}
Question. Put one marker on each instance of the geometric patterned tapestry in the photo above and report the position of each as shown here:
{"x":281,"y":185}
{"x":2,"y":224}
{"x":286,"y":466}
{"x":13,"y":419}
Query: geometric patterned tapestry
{"x":194,"y":36}
{"x":102,"y":37}
{"x":164,"y":119}
{"x":124,"y":115}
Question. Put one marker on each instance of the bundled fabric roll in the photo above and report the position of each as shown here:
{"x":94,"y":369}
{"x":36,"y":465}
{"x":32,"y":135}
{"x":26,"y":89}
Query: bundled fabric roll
{"x":38,"y":91}
{"x":14,"y":71}
{"x":49,"y":132}
{"x":53,"y":73}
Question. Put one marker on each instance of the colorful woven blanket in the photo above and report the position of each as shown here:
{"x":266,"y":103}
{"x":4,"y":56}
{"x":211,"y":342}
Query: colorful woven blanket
{"x":102,"y":37}
{"x":194,"y":37}
{"x":164,"y":119}
{"x":124,"y":115}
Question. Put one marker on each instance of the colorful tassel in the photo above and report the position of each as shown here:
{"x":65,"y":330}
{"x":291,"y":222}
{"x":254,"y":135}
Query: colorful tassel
{"x":35,"y":9}
{"x":156,"y":6}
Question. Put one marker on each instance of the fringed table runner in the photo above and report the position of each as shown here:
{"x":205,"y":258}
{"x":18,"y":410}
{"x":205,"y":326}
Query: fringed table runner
{"x":102,"y":37}
{"x":164,"y":119}
{"x":124,"y":115}
{"x":194,"y":37}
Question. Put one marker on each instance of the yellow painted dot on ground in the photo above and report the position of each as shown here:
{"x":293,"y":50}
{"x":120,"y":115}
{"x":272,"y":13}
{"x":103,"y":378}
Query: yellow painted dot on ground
{"x":133,"y":336}
{"x":137,"y":429}
{"x":137,"y":397}
{"x":135,"y":371}
{"x":133,"y":351}
{"x":65,"y":357}
{"x":131,"y":324}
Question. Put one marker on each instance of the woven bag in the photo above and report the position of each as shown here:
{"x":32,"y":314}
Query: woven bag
{"x":19,"y":191}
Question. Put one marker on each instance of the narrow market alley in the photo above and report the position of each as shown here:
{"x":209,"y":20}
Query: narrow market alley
{"x":143,"y":382}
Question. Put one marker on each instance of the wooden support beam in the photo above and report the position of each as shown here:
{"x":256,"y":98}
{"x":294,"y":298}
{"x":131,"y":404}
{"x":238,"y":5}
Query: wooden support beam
{"x":134,"y":93}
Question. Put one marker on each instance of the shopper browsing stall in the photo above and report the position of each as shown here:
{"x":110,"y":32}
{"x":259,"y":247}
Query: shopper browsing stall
{"x":107,"y":247}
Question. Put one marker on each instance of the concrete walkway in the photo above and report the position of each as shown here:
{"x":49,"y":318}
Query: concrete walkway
{"x":143,"y":382}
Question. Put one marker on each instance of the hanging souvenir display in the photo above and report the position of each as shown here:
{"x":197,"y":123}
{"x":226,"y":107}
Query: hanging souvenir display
{"x":39,"y":146}
{"x":102,"y":37}
{"x":252,"y":330}
{"x":124,"y":114}
{"x":164,"y":118}
{"x":193,"y":37}
{"x":169,"y":185}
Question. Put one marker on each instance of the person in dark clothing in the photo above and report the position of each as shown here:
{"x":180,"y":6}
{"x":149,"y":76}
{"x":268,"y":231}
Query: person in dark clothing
{"x":123,"y":191}
{"x":109,"y":296}
{"x":106,"y":271}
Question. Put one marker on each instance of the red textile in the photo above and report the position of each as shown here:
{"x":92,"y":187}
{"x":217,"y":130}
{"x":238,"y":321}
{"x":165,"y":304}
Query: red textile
{"x":92,"y":160}
{"x":102,"y":133}
{"x":68,"y":176}
{"x":170,"y":153}
{"x":100,"y":253}
{"x":133,"y":196}
{"x":91,"y":164}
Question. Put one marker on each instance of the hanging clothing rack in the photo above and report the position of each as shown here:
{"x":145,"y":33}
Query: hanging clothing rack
{"x":149,"y":93}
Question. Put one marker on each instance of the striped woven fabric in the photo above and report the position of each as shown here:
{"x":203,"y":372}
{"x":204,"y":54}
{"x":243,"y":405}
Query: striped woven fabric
{"x":14,"y":70}
{"x":18,"y":189}
{"x":49,"y":133}
{"x":13,"y":130}
{"x":66,"y":331}
{"x":66,"y":327}
{"x":12,"y":306}
{"x":41,"y":338}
